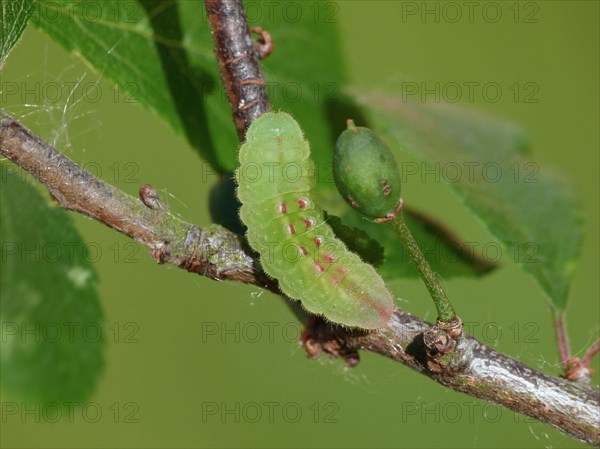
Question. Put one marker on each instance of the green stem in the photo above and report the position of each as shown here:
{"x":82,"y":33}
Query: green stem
{"x":445,"y":310}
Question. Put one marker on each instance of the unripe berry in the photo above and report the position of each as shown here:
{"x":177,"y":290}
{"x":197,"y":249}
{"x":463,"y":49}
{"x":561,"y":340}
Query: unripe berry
{"x":366,"y":172}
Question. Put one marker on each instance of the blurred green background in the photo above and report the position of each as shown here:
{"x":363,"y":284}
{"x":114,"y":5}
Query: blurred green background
{"x":184,"y":349}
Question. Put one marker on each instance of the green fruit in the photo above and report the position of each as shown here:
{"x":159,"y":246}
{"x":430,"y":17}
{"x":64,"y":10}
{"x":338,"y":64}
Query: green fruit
{"x":366,"y":172}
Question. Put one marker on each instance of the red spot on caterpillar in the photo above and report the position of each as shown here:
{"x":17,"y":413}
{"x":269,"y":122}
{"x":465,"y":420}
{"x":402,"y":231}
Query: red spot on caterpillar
{"x":320,"y":268}
{"x":283,"y":208}
{"x":291,"y":229}
{"x":335,"y":280}
{"x":318,"y":241}
{"x":384,"y":313}
{"x":342,"y":270}
{"x":302,"y":203}
{"x":329,"y":258}
{"x":308,"y":221}
{"x":303,"y":251}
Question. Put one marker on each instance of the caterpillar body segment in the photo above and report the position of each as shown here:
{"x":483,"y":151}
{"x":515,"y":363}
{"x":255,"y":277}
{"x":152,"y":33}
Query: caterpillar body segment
{"x":276,"y":180}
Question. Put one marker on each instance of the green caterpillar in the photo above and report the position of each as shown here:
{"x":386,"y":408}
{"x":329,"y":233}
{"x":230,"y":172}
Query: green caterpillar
{"x":285,"y":226}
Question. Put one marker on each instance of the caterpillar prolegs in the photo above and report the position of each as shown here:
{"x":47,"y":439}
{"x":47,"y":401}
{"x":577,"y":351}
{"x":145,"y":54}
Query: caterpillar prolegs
{"x":276,"y":177}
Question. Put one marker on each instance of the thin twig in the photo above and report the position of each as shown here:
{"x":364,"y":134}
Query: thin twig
{"x":590,"y":353}
{"x":238,"y":62}
{"x":211,"y":251}
{"x":562,"y":339}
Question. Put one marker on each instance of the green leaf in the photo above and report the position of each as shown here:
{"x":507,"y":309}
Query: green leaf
{"x":531,"y":209}
{"x":14,"y":15}
{"x":159,"y":53}
{"x":52,"y":324}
